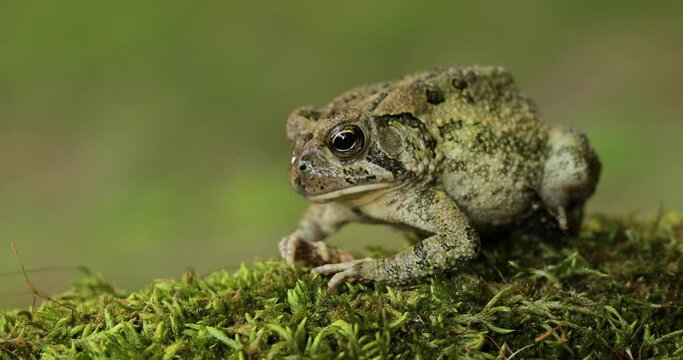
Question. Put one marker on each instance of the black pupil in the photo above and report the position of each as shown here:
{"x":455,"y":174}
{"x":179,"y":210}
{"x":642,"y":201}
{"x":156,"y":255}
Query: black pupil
{"x":344,"y":140}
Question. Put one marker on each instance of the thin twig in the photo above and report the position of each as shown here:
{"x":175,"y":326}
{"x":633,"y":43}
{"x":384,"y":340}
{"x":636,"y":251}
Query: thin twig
{"x":31,"y":287}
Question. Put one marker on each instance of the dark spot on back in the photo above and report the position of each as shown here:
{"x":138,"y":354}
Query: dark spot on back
{"x":434,"y":96}
{"x":459,"y":84}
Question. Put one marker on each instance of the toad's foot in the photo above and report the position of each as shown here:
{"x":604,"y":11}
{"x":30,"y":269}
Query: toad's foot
{"x":344,"y":271}
{"x":294,"y":249}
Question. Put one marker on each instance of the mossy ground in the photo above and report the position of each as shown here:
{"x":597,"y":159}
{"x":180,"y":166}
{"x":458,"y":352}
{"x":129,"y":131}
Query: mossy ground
{"x":613,"y":292}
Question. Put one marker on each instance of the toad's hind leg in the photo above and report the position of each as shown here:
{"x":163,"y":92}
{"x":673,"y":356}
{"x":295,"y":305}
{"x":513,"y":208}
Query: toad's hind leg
{"x":570,"y":175}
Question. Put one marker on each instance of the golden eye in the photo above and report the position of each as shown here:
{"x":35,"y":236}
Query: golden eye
{"x":347,"y":142}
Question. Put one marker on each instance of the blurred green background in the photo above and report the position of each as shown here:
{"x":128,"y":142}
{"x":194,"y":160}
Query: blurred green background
{"x":139,"y":139}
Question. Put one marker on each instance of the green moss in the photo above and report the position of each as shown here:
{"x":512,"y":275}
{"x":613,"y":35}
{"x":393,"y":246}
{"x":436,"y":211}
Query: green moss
{"x":614,"y":292}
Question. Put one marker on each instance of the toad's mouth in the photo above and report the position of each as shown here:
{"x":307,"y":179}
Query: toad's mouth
{"x":353,"y":190}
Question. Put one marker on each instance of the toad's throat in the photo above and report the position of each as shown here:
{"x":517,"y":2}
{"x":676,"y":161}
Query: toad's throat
{"x":353,"y":190}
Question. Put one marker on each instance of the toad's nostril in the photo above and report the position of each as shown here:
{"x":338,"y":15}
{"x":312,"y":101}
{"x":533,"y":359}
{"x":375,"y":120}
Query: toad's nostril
{"x":304,"y":166}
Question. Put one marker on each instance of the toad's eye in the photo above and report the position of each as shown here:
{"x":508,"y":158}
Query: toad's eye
{"x":347,"y":141}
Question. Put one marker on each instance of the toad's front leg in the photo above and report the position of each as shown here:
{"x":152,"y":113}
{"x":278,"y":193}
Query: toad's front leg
{"x":304,"y":245}
{"x":453,"y":243}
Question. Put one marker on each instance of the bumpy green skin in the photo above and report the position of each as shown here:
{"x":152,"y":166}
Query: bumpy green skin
{"x":449,"y":154}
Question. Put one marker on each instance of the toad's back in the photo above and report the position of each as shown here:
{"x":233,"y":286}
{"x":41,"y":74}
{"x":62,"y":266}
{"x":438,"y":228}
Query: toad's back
{"x":489,"y":141}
